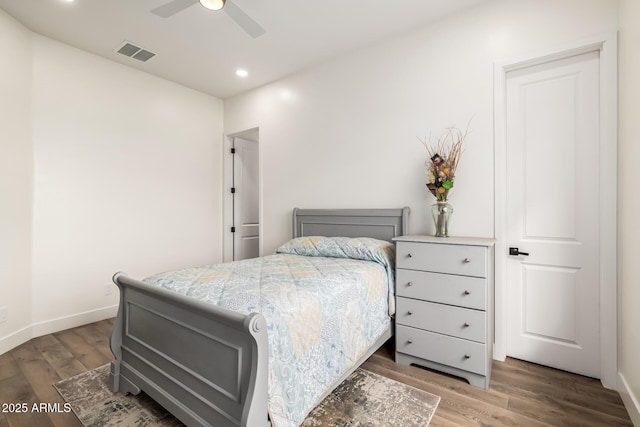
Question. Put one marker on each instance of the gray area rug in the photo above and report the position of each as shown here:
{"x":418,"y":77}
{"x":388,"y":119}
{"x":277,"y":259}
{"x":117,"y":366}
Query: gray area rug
{"x":364,"y":399}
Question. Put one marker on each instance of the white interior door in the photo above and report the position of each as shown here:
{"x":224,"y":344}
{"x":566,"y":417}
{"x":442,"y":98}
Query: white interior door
{"x":553,"y":213}
{"x":245,"y":200}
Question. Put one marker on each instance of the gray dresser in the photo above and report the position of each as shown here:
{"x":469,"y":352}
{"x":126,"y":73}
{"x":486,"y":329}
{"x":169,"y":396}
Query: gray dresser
{"x":444,"y":305}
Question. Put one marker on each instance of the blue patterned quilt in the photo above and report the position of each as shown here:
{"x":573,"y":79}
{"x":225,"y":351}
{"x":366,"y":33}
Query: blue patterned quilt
{"x":325,"y":300}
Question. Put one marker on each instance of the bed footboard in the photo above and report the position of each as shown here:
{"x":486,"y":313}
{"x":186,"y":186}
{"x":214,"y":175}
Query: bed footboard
{"x":205,"y":364}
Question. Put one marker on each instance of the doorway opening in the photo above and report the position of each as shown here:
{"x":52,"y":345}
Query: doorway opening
{"x":242,"y":188}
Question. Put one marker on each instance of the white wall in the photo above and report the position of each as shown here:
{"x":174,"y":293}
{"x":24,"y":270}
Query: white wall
{"x":343,"y":134}
{"x":16,"y":177}
{"x":629,"y":233}
{"x":127,"y":177}
{"x":122,"y":170}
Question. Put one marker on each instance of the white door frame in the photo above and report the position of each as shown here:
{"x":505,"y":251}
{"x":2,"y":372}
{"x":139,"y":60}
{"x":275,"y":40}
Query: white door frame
{"x":227,"y":236}
{"x":607,"y":46}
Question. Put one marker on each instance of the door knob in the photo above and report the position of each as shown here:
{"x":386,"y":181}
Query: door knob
{"x":516,"y":252}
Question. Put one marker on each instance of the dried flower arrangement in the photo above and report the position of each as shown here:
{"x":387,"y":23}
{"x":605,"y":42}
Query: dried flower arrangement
{"x":442,"y":161}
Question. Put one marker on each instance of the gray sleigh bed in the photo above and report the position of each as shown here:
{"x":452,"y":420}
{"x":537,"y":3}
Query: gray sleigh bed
{"x":207,"y":365}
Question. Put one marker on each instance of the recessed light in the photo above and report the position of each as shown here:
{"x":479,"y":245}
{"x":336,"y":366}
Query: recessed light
{"x":242,"y":73}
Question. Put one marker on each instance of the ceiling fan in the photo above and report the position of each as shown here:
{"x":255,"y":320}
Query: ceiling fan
{"x":242,"y":19}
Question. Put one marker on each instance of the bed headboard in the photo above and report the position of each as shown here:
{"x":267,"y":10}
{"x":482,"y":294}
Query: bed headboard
{"x":383,"y":224}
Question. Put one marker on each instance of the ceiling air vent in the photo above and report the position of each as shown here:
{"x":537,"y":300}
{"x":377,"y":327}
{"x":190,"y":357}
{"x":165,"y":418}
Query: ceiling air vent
{"x":136,"y":52}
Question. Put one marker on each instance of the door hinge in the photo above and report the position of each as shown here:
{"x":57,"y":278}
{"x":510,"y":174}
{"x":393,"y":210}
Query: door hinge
{"x":233,"y":229}
{"x":233,"y":151}
{"x":233,"y":190}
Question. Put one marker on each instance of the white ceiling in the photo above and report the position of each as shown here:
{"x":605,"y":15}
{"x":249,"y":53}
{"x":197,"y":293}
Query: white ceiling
{"x":202,"y":49}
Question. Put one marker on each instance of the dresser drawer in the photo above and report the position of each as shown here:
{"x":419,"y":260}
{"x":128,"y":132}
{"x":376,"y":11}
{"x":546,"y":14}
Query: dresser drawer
{"x":445,"y":319}
{"x":456,"y":352}
{"x":442,"y":258}
{"x":463,"y":291}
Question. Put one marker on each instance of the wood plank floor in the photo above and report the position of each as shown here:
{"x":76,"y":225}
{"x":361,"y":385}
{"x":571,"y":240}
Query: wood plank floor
{"x":520,"y":394}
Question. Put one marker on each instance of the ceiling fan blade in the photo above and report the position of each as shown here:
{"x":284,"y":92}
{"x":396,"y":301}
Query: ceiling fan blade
{"x":243,"y":20}
{"x":173,"y":7}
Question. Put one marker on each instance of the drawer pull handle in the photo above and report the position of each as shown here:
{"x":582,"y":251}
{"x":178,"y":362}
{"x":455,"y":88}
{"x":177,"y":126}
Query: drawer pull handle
{"x":467,"y":292}
{"x":409,"y":255}
{"x":467,"y":260}
{"x":409,"y":312}
{"x":409,"y":341}
{"x":409,"y":283}
{"x":467,"y":324}
{"x":467,"y":356}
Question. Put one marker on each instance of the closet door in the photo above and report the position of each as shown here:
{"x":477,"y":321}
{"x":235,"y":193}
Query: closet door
{"x":246,"y":199}
{"x":553,"y":205}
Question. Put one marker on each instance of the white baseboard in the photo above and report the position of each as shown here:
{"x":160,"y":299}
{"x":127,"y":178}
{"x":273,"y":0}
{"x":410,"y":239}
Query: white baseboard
{"x":55,"y":325}
{"x":630,"y":401}
{"x":62,"y":323}
{"x":15,"y":339}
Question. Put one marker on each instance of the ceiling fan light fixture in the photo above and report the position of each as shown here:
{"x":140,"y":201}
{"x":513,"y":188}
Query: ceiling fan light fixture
{"x":213,"y":4}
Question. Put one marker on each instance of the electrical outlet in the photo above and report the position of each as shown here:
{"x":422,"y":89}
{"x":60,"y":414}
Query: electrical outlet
{"x":4,"y":312}
{"x":108,"y":289}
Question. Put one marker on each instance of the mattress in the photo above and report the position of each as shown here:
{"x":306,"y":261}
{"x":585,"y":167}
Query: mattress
{"x":325,"y":300}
